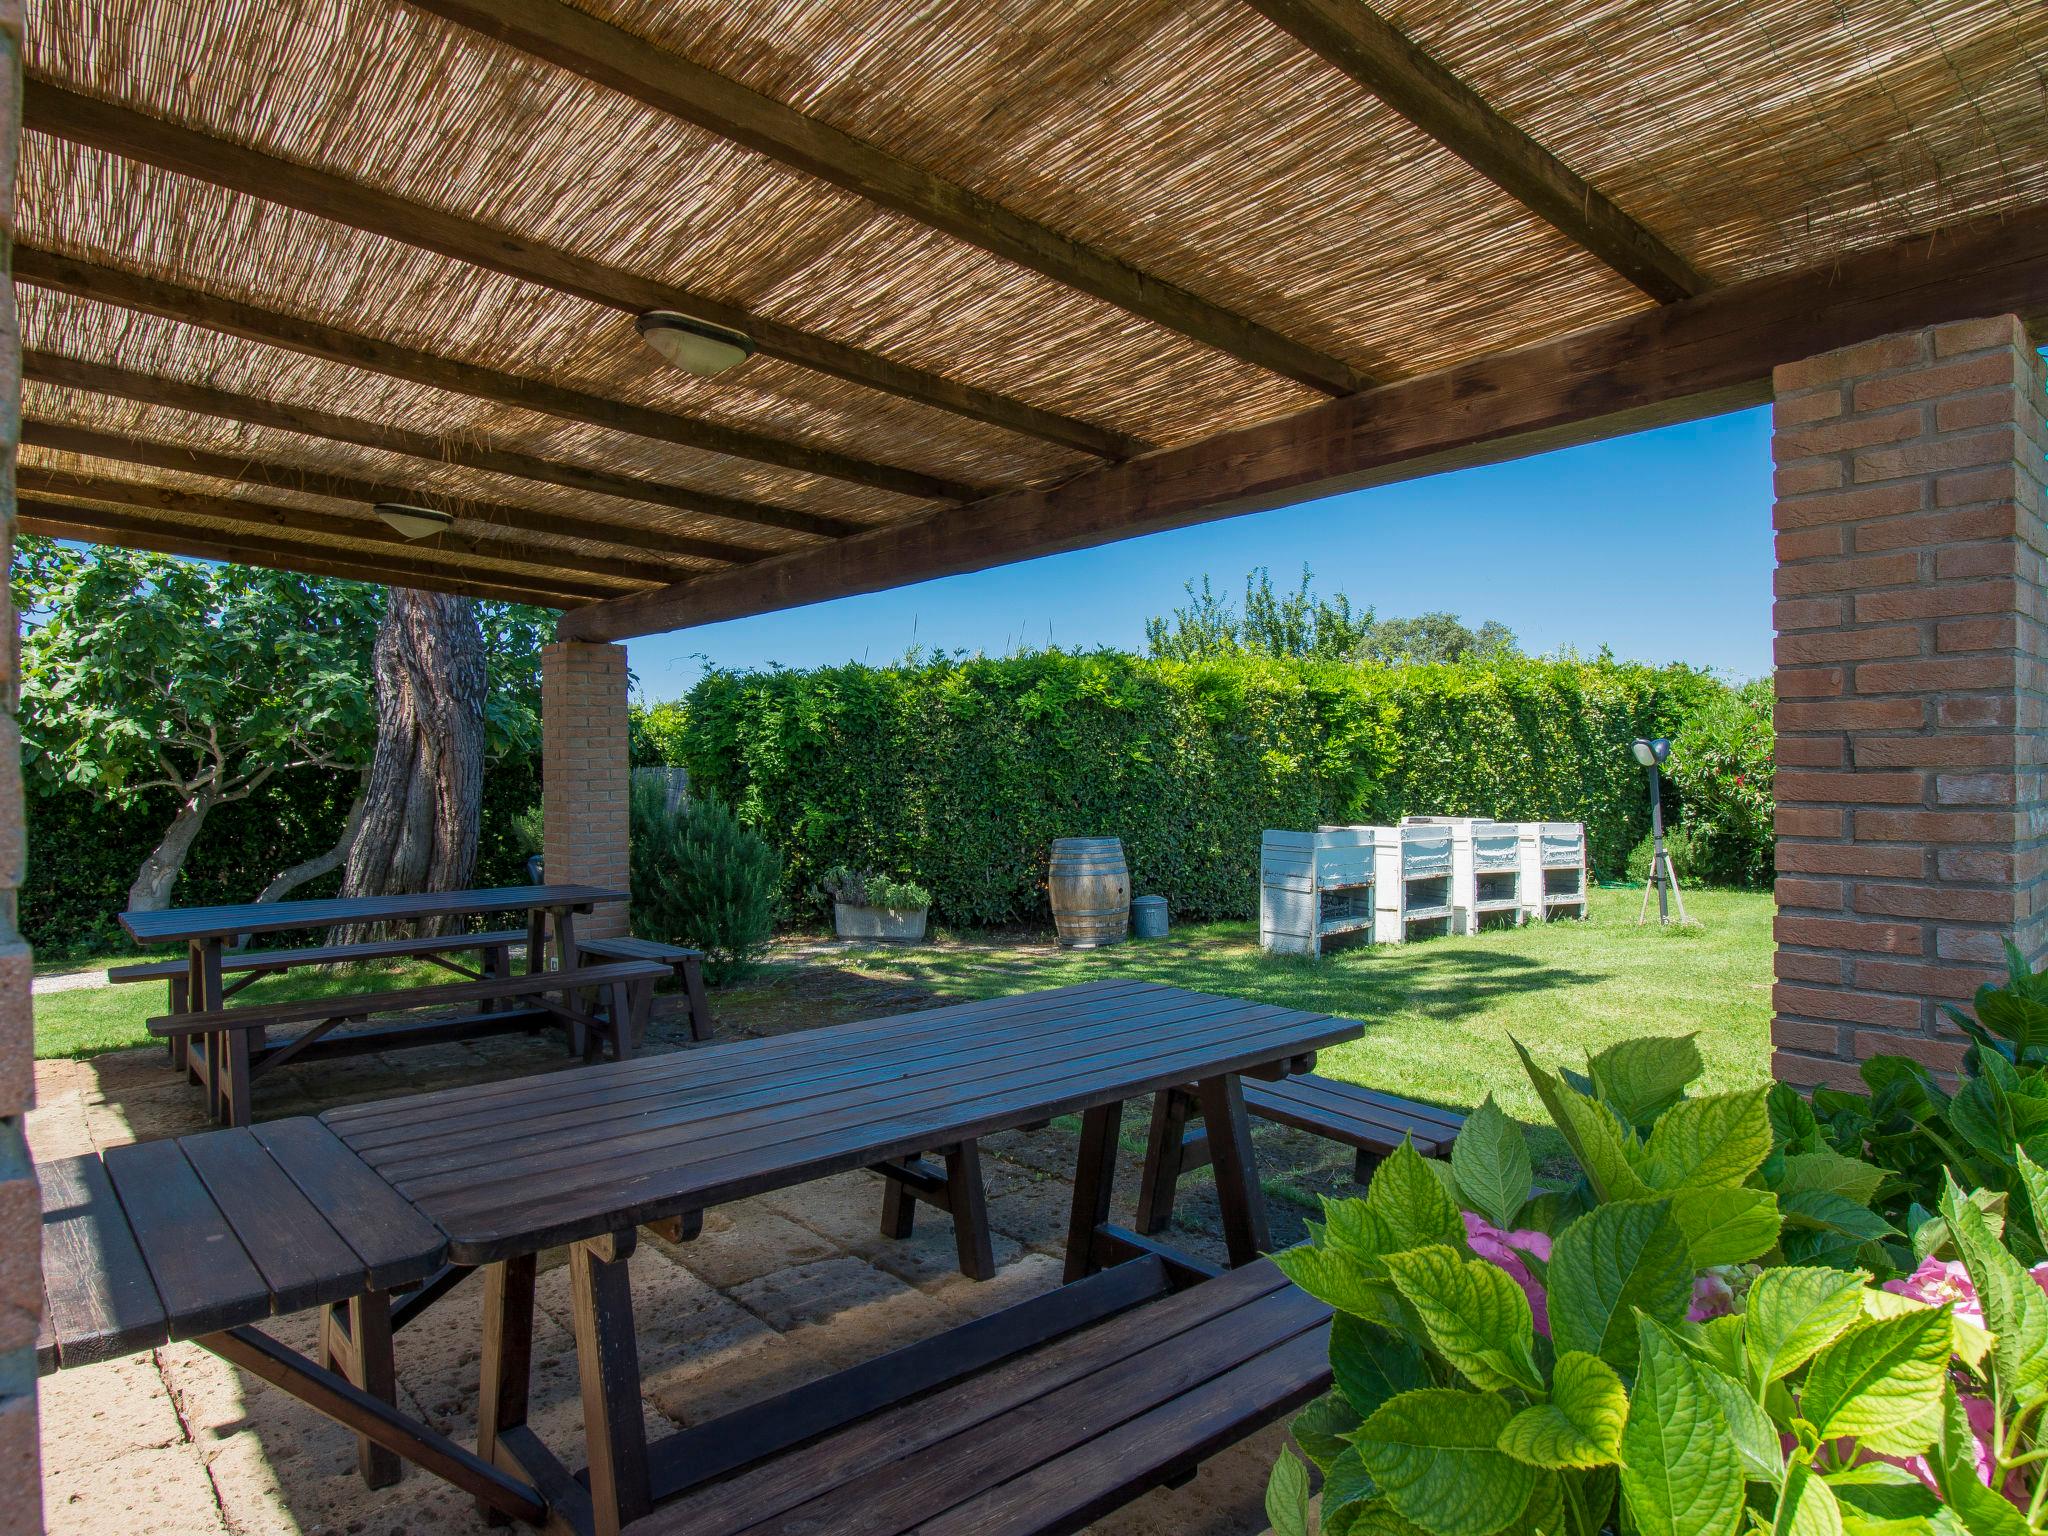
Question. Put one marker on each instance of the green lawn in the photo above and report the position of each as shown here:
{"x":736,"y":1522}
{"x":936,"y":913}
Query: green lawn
{"x":1439,"y":1014}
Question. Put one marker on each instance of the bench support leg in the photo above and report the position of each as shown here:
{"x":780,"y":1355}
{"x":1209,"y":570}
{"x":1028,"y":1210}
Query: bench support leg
{"x":1237,"y":1175}
{"x":1094,"y":1187}
{"x":355,"y":1343}
{"x":507,"y":1361}
{"x":700,"y":1007}
{"x":1362,"y":1165}
{"x":608,"y":1361}
{"x":899,"y":1203}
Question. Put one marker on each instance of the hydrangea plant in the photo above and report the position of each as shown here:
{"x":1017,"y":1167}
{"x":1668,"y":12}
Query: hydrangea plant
{"x":1685,"y":1342}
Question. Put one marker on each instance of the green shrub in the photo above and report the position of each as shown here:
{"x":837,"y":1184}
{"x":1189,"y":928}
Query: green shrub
{"x":864,"y":888}
{"x":1722,"y":768}
{"x":700,"y":878}
{"x":965,"y":771}
{"x":1678,"y":845}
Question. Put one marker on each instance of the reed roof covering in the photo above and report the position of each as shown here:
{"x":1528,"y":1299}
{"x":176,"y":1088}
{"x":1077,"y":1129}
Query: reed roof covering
{"x":280,"y":257}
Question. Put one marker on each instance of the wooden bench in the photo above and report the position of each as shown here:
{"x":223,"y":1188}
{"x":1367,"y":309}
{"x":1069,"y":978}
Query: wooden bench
{"x":686,"y":963}
{"x":1370,"y":1122}
{"x":227,"y":1060}
{"x":1032,"y":1421}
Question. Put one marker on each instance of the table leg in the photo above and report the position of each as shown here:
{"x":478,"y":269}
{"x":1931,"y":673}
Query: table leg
{"x":970,"y":1211}
{"x":355,"y":1342}
{"x":700,"y":1006}
{"x":1237,"y":1175}
{"x":565,"y":956}
{"x":180,"y":1001}
{"x":608,"y":1362}
{"x":1165,"y":1154}
{"x":1094,"y":1185}
{"x":507,"y":1372}
{"x":536,"y":941}
{"x":206,"y":996}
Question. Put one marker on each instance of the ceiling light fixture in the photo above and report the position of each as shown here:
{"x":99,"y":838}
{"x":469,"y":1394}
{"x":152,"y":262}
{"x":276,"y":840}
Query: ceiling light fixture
{"x":695,"y":346}
{"x":414,"y":522}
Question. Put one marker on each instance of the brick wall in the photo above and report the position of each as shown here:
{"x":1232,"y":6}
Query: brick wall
{"x":586,"y":772}
{"x":1912,"y":832}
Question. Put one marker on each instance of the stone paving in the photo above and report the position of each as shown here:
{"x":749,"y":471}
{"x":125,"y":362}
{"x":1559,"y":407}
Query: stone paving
{"x":778,"y":1290}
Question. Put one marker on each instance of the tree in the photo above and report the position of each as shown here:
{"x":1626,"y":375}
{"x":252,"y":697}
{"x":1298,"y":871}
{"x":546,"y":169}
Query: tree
{"x":1312,"y":628}
{"x":1436,"y":637}
{"x":142,"y":673}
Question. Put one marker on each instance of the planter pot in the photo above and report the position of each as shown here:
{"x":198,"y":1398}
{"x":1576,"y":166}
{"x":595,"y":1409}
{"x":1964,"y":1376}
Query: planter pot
{"x":893,"y":925}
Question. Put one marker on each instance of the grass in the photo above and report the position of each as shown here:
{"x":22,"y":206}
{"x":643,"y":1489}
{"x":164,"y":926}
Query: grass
{"x":1439,"y":1015}
{"x":83,"y":1021}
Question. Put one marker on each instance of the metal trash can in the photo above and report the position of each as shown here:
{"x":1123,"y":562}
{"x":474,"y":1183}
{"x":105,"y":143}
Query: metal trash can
{"x":1148,"y":917}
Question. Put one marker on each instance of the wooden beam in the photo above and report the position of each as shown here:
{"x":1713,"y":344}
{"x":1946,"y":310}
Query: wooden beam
{"x":670,"y":83}
{"x":1685,"y":360}
{"x":203,"y":400}
{"x":191,"y":306}
{"x":134,"y":135}
{"x":88,"y":442}
{"x":1374,"y":53}
{"x":558,"y":571}
{"x":90,"y":525}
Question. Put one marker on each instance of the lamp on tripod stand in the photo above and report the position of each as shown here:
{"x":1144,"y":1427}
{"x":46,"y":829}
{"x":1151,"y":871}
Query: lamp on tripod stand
{"x":1652,"y":752}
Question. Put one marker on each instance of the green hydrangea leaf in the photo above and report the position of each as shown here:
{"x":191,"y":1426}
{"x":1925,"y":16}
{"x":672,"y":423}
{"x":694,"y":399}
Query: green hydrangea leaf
{"x":1971,"y":1343}
{"x":1726,"y":1226}
{"x":1880,"y":1383}
{"x":1953,"y":1461}
{"x":1610,"y":1264}
{"x":1829,"y":1172}
{"x":1597,"y":1139}
{"x":1750,"y":1429}
{"x":1413,"y":1203}
{"x":1793,"y":1313}
{"x":1434,"y":1454}
{"x":1580,"y":1426}
{"x":1806,"y":1506}
{"x":1717,"y":1140}
{"x":1355,"y":1230}
{"x":1373,"y":1364}
{"x":1375,"y":1519}
{"x":1338,"y":1280}
{"x":1640,"y":1079}
{"x":1877,"y":1499}
{"x":1287,"y":1496}
{"x":1477,"y":1317}
{"x":2015,"y":1307}
{"x":1490,"y":1159}
{"x":1680,"y":1474}
{"x":1347,"y":1481}
{"x":1323,"y":1429}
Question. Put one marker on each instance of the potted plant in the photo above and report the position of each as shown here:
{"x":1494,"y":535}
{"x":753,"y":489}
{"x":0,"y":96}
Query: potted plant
{"x":866,"y":905}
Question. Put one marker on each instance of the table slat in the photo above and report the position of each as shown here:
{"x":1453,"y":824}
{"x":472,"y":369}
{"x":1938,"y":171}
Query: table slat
{"x":100,"y":1302}
{"x":395,"y":1242}
{"x":179,"y":925}
{"x":201,"y":1271}
{"x":302,"y":1259}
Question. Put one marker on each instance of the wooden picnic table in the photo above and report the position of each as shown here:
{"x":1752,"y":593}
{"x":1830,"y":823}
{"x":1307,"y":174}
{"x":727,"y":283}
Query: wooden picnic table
{"x":205,"y":1236}
{"x":224,"y":1061}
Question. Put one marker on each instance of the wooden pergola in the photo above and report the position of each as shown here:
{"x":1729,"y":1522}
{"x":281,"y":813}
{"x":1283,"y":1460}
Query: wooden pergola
{"x":1028,"y":277}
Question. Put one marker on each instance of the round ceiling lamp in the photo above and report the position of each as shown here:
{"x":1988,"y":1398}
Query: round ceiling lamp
{"x":414,"y":522}
{"x":693,"y":345}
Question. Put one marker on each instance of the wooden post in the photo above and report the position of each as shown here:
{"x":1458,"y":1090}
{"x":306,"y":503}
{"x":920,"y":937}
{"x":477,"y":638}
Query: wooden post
{"x":1237,"y":1175}
{"x":507,"y":1367}
{"x":608,"y":1362}
{"x":1094,"y":1187}
{"x":355,"y":1343}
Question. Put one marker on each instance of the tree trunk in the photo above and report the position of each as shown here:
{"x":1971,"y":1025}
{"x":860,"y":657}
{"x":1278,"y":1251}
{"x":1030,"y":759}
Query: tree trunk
{"x":151,"y":891}
{"x":425,"y":791}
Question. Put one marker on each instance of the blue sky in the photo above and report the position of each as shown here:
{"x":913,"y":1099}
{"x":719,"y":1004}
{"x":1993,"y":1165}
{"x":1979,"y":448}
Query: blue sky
{"x":1657,"y":544}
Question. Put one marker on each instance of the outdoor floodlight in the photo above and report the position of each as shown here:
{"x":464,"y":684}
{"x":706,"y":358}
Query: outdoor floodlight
{"x":414,"y":522}
{"x":1651,"y":751}
{"x":695,"y":346}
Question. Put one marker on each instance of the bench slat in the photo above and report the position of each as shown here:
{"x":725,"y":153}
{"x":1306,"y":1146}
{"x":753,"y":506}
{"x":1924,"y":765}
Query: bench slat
{"x":637,"y":949}
{"x":326,"y":954}
{"x":302,"y":1010}
{"x":302,"y":1259}
{"x":100,"y":1302}
{"x":1358,"y":1099}
{"x":846,"y":1463}
{"x":1357,"y":1117}
{"x":396,"y":1243}
{"x":201,"y":1271}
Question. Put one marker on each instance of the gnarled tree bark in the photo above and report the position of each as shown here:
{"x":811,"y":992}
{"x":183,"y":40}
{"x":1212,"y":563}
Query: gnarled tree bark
{"x":425,"y":790}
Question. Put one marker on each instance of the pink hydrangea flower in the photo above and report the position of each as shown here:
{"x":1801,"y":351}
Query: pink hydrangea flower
{"x":1941,"y":1282}
{"x":1505,"y":1250}
{"x":1712,"y":1296}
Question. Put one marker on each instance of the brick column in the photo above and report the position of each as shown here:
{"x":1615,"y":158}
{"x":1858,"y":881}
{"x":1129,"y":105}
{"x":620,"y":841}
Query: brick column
{"x":21,"y":1233}
{"x":1912,"y":832}
{"x":585,"y":772}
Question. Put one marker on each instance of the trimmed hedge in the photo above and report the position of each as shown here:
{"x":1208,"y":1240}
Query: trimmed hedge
{"x":960,"y":773}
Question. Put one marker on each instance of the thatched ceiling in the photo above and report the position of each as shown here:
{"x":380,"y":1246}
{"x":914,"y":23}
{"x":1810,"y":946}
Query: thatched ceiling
{"x":1002,"y":246}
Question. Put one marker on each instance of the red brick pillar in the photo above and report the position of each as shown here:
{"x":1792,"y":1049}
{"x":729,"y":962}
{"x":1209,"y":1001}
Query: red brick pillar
{"x":1912,"y":833}
{"x":21,"y":1234}
{"x":585,"y":772}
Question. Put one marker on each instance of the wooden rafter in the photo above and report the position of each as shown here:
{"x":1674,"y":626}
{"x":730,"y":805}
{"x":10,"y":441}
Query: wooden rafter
{"x":1368,"y":48}
{"x":460,"y":544}
{"x":177,"y":395}
{"x":1684,"y":360}
{"x":673,"y":84}
{"x":96,"y":525}
{"x":134,"y":135}
{"x":89,"y":442}
{"x":111,"y":285}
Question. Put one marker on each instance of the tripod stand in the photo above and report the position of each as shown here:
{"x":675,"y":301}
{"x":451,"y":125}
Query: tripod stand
{"x":1663,"y":878}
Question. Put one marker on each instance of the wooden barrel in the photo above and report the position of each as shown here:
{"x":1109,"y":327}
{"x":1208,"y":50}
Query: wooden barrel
{"x":1091,"y":891}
